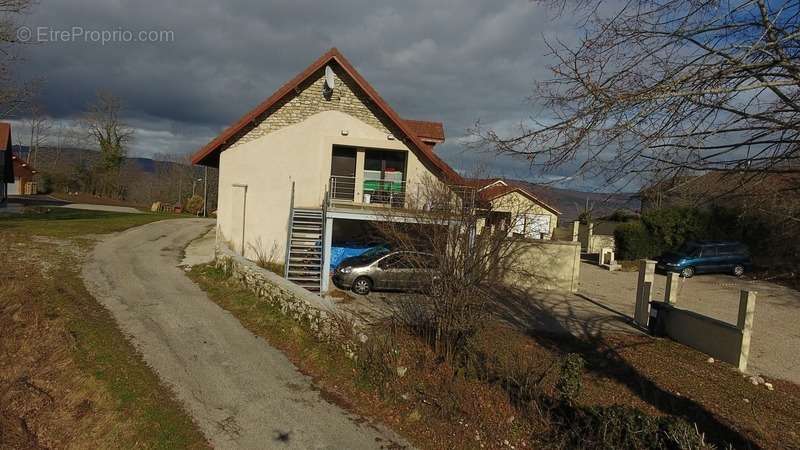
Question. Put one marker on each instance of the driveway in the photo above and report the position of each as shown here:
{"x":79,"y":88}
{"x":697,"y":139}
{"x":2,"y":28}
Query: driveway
{"x":242,"y":392}
{"x":775,"y":345}
{"x":107,"y":208}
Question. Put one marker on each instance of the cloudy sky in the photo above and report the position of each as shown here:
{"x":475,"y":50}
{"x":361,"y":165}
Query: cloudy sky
{"x":453,"y":61}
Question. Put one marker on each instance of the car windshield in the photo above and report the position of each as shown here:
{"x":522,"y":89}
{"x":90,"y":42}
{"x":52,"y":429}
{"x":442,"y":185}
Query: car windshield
{"x":373,"y":254}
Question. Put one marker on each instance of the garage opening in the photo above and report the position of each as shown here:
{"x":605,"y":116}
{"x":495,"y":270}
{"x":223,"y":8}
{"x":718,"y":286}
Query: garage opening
{"x":352,"y":238}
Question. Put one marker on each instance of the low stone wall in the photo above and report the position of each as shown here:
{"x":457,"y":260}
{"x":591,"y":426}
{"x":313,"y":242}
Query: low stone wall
{"x":548,"y":265}
{"x":293,"y":300}
{"x":600,"y":241}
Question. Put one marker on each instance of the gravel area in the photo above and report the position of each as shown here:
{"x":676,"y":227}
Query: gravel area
{"x":775,"y":345}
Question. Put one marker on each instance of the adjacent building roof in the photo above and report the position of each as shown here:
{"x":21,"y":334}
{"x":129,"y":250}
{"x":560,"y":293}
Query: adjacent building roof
{"x":22,"y":169}
{"x":6,"y":158}
{"x":493,"y":188}
{"x":428,"y":132}
{"x":417,"y":135}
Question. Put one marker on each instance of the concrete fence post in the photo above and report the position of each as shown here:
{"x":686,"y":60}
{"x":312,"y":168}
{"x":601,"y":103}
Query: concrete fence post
{"x":747,"y":308}
{"x":671,"y":291}
{"x":644,"y":290}
{"x":576,"y":227}
{"x":589,"y":233}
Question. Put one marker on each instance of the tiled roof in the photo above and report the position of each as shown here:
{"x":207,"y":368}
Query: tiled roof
{"x":488,"y":190}
{"x":208,"y":154}
{"x":427,"y":131}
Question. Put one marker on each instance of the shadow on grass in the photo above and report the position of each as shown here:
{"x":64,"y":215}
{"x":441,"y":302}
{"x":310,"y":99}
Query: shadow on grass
{"x":565,"y":323}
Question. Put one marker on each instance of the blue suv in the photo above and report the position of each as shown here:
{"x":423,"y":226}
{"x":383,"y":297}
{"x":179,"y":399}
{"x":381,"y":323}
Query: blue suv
{"x":706,"y":257}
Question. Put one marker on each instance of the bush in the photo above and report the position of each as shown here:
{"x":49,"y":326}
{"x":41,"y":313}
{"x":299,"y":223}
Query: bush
{"x":569,"y":383}
{"x":194,"y":205}
{"x":671,"y":227}
{"x":624,"y":427}
{"x":635,"y":241}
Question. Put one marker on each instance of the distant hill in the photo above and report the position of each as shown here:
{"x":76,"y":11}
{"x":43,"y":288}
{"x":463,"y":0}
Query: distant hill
{"x":571,"y":202}
{"x":51,"y":159}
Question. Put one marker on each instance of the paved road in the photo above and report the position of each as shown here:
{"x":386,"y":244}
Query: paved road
{"x":242,"y":392}
{"x":775,"y":345}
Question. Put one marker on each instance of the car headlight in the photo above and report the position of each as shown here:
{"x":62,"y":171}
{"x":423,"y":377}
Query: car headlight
{"x":347,"y":269}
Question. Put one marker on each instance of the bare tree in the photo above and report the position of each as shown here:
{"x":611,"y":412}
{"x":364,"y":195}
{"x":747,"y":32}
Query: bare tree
{"x":104,"y":124}
{"x":12,"y":94}
{"x":470,"y":243}
{"x":662,"y":87}
{"x":38,"y":125}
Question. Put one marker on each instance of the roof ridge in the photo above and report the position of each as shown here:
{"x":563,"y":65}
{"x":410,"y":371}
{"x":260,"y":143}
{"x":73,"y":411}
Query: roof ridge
{"x":286,"y":89}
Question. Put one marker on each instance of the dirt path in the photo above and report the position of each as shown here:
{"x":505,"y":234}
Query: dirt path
{"x":242,"y":392}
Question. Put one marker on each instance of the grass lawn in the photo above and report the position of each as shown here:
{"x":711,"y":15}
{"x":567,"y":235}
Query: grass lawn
{"x":69,"y":223}
{"x":68,"y":377}
{"x":507,"y":395}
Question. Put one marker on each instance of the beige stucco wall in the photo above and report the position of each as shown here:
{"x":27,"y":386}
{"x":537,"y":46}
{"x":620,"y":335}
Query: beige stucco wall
{"x":549,"y":265}
{"x":299,"y":153}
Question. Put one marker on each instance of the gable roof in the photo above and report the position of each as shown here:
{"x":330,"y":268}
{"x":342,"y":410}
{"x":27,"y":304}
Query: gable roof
{"x":22,"y":169}
{"x":209,"y":155}
{"x":493,"y":188}
{"x":6,"y":158}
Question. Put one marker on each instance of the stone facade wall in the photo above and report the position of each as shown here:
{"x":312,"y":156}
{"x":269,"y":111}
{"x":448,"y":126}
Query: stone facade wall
{"x":599,"y":242}
{"x":294,"y":301}
{"x":310,"y":100}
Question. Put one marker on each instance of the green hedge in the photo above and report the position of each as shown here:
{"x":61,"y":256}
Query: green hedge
{"x":634,"y":241}
{"x":667,"y":229}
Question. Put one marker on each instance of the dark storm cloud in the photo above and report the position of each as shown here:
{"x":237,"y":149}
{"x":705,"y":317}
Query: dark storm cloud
{"x":454,"y":61}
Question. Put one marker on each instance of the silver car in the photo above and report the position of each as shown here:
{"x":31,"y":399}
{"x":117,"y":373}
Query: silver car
{"x":381,"y":269}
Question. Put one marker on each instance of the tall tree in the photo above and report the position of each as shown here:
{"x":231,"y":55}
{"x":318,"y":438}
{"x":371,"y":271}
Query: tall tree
{"x":12,"y":94}
{"x":106,"y":127}
{"x":39,"y":126}
{"x":660,"y":87}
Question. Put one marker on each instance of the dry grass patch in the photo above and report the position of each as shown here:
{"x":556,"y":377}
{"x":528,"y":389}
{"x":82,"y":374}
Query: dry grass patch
{"x":68,"y":376}
{"x":512,"y":390}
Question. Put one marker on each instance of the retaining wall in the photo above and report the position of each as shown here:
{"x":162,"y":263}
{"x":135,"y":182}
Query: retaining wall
{"x":293,"y":300}
{"x":549,"y":265}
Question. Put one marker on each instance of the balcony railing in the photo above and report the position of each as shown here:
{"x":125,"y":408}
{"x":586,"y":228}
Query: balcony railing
{"x":347,"y":191}
{"x":370,"y":192}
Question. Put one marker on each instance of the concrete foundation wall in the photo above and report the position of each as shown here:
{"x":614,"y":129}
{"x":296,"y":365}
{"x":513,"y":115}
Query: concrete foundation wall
{"x":550,"y":265}
{"x":713,"y":337}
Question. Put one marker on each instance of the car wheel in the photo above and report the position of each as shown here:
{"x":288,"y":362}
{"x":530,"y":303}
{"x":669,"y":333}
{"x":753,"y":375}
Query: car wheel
{"x":687,"y":272}
{"x":738,"y":270}
{"x":362,"y":285}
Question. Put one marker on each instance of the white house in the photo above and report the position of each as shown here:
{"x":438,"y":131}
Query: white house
{"x":316,"y":163}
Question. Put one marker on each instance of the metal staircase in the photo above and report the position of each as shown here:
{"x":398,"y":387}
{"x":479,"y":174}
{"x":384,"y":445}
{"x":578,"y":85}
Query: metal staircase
{"x":304,"y":261}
